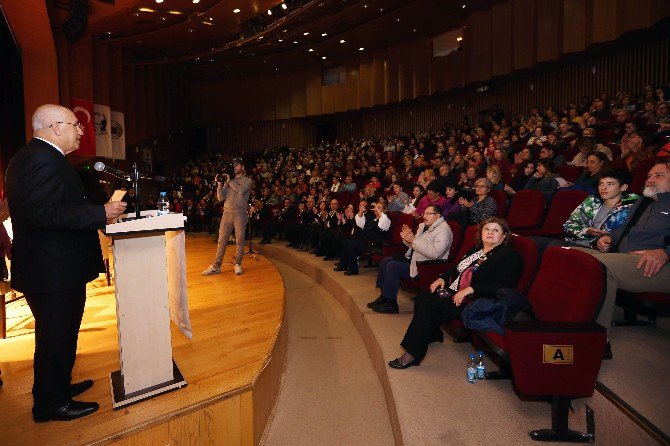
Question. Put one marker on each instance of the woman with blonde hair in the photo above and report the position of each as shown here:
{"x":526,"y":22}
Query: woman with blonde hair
{"x":494,"y":176}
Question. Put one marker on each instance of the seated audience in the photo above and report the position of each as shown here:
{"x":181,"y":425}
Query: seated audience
{"x":372,"y":226}
{"x":636,"y":254}
{"x":596,"y":162}
{"x":432,"y":241}
{"x":432,"y":197}
{"x":398,"y":199}
{"x":491,"y":265}
{"x":478,"y":207}
{"x":543,"y":179}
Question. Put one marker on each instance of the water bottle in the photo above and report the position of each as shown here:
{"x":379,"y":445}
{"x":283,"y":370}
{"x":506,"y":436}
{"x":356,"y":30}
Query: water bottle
{"x":163,"y":205}
{"x":481,"y":368}
{"x":471,"y":370}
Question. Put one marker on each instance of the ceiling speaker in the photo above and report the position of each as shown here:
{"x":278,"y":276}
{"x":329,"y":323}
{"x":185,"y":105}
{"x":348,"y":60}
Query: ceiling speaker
{"x":75,"y":24}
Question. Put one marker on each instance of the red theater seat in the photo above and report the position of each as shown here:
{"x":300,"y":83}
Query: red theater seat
{"x":560,"y":208}
{"x":568,"y":172}
{"x":500,"y":196}
{"x":640,"y":175}
{"x":527,"y":210}
{"x":393,"y":244}
{"x":558,"y":295}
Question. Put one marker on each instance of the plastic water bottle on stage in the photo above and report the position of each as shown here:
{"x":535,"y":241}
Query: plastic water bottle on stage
{"x":163,"y":205}
{"x":471,"y":370}
{"x":481,"y":367}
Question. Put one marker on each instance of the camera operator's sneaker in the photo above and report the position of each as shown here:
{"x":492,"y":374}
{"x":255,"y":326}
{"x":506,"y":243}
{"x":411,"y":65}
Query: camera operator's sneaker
{"x":211,"y":270}
{"x":238,"y":269}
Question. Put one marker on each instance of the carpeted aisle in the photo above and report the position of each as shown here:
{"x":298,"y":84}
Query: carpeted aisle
{"x":331,"y":394}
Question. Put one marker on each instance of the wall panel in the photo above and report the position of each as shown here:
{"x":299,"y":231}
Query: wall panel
{"x":478,"y":45}
{"x":577,"y":20}
{"x":351,"y":85}
{"x":523,"y":12}
{"x":379,"y":78}
{"x":549,"y":19}
{"x":501,"y":36}
{"x":365,"y":92}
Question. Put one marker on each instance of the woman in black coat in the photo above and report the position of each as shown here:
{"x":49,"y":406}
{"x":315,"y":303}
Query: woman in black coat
{"x":491,"y":265}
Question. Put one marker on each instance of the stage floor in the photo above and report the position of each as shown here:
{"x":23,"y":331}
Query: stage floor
{"x":236,"y":324}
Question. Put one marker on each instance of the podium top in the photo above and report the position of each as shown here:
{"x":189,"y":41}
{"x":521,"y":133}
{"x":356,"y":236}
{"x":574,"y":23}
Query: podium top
{"x":152,"y":223}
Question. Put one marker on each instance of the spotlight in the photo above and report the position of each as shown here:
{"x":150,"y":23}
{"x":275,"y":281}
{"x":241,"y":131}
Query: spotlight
{"x":458,"y":39}
{"x":311,"y":50}
{"x":324,"y":34}
{"x":195,"y":2}
{"x":236,"y":10}
{"x":323,"y":57}
{"x":283,"y":6}
{"x":361,"y":49}
{"x":269,"y":12}
{"x":305,"y":33}
{"x":159,"y":1}
{"x":342,"y":41}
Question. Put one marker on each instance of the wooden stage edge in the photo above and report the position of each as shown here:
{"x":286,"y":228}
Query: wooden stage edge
{"x":234,"y":365}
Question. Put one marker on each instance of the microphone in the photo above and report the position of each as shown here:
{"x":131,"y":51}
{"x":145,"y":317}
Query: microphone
{"x":101,"y":167}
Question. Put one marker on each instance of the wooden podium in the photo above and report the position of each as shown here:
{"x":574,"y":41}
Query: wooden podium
{"x":143,"y":268}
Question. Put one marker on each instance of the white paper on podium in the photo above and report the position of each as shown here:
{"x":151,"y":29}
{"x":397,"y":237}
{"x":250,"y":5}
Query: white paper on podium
{"x":177,"y":293}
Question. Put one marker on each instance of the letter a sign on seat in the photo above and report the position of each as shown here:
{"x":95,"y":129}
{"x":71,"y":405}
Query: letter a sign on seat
{"x":557,"y":354}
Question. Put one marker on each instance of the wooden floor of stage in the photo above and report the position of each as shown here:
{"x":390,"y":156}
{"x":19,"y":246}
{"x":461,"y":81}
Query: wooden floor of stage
{"x":236,"y":322}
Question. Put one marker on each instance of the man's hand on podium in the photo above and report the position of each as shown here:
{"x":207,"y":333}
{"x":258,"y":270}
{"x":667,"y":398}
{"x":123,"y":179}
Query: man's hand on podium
{"x":113,"y":209}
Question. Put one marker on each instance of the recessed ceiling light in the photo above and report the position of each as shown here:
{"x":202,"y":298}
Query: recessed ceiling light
{"x":175,"y":12}
{"x":191,"y":29}
{"x":365,"y":6}
{"x":109,"y":33}
{"x":236,"y":10}
{"x":381,"y":9}
{"x":211,"y":19}
{"x":284,"y":30}
{"x":414,"y":30}
{"x":342,"y":41}
{"x":260,"y":38}
{"x":147,"y":10}
{"x":283,"y":6}
{"x":361,"y":49}
{"x":197,"y":58}
{"x":195,"y":2}
{"x":305,"y":33}
{"x":295,"y":41}
{"x":311,"y":50}
{"x":281,"y":40}
{"x":459,"y":38}
{"x":265,"y":61}
{"x":463,"y":5}
{"x":324,"y":34}
{"x":323,"y":57}
{"x":205,"y":22}
{"x":398,"y":19}
{"x":163,"y":18}
{"x":159,"y":1}
{"x":269,"y":12}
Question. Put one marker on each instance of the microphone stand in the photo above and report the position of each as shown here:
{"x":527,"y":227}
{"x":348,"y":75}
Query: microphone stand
{"x":135,"y":178}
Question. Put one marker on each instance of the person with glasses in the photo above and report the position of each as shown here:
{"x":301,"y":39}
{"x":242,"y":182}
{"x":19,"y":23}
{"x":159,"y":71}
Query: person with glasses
{"x":477,"y":207}
{"x":432,"y":241}
{"x":490,"y":265}
{"x":433,"y":197}
{"x":56,"y":252}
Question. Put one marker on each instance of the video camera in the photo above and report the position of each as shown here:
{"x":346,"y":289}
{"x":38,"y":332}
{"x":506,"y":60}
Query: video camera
{"x":225,"y":174}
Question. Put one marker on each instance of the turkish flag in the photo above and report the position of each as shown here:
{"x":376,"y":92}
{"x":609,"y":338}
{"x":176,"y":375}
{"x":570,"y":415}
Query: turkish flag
{"x":83,"y":110}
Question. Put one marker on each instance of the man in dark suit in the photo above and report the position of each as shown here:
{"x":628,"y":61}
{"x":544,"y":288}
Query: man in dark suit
{"x":56,"y":252}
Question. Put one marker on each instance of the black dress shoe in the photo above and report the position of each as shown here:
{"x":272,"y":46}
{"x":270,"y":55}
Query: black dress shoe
{"x":398,"y":364}
{"x":351,"y":273}
{"x":68,"y":411}
{"x":378,"y":301}
{"x":608,"y":351}
{"x":387,"y":307}
{"x":339,"y":268}
{"x":80,"y":387}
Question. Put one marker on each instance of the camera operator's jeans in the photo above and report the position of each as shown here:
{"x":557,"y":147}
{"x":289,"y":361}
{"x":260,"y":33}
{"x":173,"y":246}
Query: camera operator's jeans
{"x":231,"y":220}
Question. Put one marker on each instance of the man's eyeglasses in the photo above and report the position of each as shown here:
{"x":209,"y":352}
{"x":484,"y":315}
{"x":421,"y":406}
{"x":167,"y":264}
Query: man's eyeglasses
{"x":431,"y":213}
{"x":79,"y":125}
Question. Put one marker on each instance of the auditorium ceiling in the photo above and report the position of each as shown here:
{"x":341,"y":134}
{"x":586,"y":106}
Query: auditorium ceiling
{"x":238,"y":37}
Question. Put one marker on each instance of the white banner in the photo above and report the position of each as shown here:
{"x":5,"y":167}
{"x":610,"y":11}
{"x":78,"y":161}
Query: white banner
{"x":103,"y":134}
{"x":118,"y":130}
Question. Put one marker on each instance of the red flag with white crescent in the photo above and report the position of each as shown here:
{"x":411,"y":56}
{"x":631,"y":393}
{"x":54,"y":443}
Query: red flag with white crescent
{"x":83,"y":110}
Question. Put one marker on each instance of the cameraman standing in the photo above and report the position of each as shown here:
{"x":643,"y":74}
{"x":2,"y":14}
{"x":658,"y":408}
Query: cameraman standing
{"x":235,"y":192}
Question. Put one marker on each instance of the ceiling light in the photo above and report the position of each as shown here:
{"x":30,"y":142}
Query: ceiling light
{"x":269,"y":12}
{"x":205,"y":22}
{"x":159,"y":1}
{"x":283,"y":6}
{"x":281,"y":40}
{"x":342,"y":41}
{"x":191,"y":29}
{"x":260,"y":38}
{"x":365,"y":6}
{"x":109,"y":33}
{"x":323,"y":57}
{"x":311,"y":50}
{"x":174,"y":12}
{"x":195,"y":2}
{"x":361,"y":49}
{"x":458,"y":39}
{"x":398,"y":19}
{"x":147,"y":10}
{"x":197,"y":58}
{"x":163,"y":18}
{"x":305,"y":33}
{"x":463,"y":6}
{"x":284,"y":30}
{"x":236,"y":10}
{"x":324,"y":34}
{"x":295,"y":41}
